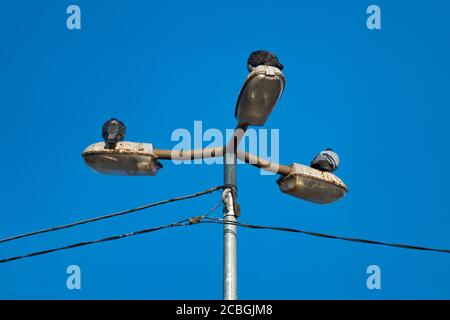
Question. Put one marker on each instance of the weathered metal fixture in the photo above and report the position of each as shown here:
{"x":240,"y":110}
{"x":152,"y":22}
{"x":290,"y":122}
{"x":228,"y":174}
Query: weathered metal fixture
{"x":126,"y":159}
{"x":312,"y":185}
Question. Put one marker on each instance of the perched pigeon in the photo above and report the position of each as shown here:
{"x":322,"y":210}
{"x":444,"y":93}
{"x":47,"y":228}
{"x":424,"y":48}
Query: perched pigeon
{"x":327,"y":160}
{"x":263,"y":57}
{"x":113,"y":131}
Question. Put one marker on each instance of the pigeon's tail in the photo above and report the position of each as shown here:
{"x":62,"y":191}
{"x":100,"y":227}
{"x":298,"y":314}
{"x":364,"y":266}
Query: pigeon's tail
{"x":315,"y":165}
{"x":110,"y":145}
{"x":321,"y":165}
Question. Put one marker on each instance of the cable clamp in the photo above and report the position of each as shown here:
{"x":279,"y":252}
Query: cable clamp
{"x":195,"y":220}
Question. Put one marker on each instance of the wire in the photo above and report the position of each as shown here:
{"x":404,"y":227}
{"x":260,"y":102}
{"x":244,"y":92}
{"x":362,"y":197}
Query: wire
{"x":322,"y":235}
{"x":116,"y":214}
{"x":38,"y":253}
{"x":182,"y":223}
{"x":205,"y":219}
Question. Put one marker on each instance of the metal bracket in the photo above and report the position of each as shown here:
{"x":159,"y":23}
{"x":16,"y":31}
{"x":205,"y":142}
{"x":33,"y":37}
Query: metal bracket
{"x":236,"y":207}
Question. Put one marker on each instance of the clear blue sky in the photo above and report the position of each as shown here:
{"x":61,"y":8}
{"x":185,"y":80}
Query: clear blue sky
{"x":379,"y":98}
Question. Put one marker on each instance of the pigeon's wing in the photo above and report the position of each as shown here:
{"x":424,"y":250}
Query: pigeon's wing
{"x":334,"y":158}
{"x":316,"y":159}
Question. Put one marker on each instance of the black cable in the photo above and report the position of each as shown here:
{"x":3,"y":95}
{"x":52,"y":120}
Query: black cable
{"x":328,"y":236}
{"x":77,"y":223}
{"x":205,"y":219}
{"x":182,"y":223}
{"x":80,"y":244}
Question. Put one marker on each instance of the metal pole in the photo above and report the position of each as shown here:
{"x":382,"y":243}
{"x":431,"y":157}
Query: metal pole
{"x":229,"y":231}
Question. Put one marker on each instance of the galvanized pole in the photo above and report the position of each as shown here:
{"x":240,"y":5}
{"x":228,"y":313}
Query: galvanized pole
{"x":229,"y":230}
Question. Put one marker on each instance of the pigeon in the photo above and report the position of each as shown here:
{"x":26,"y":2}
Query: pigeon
{"x":113,"y":132}
{"x":327,"y":160}
{"x":263,"y":57}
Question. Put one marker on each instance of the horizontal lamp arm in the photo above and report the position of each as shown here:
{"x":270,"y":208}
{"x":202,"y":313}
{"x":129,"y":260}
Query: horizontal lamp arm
{"x":215,"y":152}
{"x":204,"y":153}
{"x":263,"y":163}
{"x":218,"y":152}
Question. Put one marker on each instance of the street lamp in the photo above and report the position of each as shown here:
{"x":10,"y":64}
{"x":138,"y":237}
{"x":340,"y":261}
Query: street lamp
{"x":312,"y":185}
{"x":259,"y":94}
{"x":126,"y":159}
{"x":301,"y":181}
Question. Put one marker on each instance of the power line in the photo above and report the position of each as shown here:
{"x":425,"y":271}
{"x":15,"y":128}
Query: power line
{"x":182,"y":223}
{"x":204,"y":219}
{"x":80,"y":244}
{"x":116,"y":214}
{"x":328,"y":236}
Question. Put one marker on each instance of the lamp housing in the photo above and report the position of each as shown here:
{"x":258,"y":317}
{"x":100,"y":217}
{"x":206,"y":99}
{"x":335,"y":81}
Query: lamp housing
{"x":126,"y":159}
{"x":312,"y":185}
{"x":260,"y":93}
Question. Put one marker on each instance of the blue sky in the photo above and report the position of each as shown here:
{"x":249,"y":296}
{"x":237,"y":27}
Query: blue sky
{"x":379,"y":98}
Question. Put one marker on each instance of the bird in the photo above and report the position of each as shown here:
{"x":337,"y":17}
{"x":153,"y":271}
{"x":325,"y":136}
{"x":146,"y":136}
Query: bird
{"x":263,"y":57}
{"x":113,"y":131}
{"x":326,"y":160}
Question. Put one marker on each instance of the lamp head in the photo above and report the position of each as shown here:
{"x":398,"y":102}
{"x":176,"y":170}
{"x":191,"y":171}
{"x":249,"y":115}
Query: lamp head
{"x":126,"y":159}
{"x":260,"y":93}
{"x":312,"y":185}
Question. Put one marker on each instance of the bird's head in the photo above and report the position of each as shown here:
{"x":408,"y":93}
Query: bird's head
{"x":263,"y":57}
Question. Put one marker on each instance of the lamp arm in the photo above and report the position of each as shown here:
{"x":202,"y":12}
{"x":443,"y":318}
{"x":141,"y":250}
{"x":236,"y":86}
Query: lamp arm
{"x":215,"y":152}
{"x":204,"y":153}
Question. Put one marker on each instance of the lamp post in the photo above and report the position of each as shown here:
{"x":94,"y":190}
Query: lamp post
{"x":259,"y":95}
{"x":230,"y":229}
